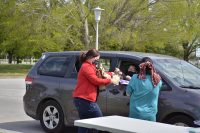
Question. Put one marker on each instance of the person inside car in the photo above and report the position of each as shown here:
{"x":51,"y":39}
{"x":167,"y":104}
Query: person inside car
{"x":131,"y":71}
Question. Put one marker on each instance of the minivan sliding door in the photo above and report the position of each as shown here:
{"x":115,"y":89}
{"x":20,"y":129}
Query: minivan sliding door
{"x":108,"y":63}
{"x":117,"y":101}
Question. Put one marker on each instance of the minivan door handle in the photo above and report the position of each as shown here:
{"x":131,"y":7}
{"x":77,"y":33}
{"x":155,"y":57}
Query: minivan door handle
{"x":114,"y":91}
{"x":128,"y":103}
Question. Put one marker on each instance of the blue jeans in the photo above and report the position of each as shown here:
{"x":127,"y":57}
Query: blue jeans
{"x":87,"y":109}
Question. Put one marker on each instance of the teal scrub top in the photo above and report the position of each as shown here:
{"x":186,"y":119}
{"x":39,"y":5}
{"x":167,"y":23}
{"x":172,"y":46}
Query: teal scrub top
{"x":143,"y":98}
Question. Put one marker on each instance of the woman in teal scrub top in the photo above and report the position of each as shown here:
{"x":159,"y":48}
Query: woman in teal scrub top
{"x":143,"y":90}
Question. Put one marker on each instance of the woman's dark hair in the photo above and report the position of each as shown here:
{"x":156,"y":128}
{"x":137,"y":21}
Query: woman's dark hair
{"x":90,"y":54}
{"x":146,"y":59}
{"x":148,"y":70}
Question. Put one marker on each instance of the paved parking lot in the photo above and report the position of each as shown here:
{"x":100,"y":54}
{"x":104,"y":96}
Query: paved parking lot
{"x":12,"y":116}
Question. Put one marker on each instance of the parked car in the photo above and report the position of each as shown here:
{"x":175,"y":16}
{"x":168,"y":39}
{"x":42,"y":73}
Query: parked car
{"x":50,"y":82}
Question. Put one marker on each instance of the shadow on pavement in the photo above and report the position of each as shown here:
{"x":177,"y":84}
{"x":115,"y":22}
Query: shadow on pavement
{"x":28,"y":127}
{"x":22,"y":126}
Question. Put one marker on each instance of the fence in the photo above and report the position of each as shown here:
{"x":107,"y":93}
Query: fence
{"x":23,"y":61}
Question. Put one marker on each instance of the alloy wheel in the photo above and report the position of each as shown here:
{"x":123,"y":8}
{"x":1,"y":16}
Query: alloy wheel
{"x":51,"y":117}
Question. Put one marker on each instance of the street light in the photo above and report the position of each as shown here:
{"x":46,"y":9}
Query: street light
{"x":151,"y":2}
{"x":97,"y":13}
{"x":83,"y":1}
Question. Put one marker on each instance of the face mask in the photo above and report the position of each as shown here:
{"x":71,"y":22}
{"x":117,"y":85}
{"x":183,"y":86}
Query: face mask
{"x":96,"y":62}
{"x":130,"y":73}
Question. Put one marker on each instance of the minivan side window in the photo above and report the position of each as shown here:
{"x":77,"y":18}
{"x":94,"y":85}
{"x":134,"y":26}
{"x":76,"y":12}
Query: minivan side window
{"x":76,"y":68}
{"x":124,"y":65}
{"x":54,"y":66}
{"x":104,"y":61}
{"x":165,"y":86}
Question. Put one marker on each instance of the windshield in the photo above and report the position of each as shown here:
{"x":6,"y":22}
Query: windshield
{"x":180,"y":72}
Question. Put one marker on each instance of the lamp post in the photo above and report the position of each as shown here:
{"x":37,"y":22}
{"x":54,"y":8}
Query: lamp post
{"x":151,"y":2}
{"x":97,"y":13}
{"x":83,"y":1}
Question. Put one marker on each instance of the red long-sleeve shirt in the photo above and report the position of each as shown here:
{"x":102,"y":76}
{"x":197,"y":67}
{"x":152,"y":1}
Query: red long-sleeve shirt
{"x":88,"y":82}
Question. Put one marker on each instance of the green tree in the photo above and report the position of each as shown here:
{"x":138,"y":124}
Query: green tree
{"x":30,"y":27}
{"x":181,"y":24}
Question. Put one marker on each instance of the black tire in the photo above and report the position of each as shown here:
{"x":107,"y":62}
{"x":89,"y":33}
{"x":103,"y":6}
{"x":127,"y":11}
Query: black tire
{"x":52,"y":117}
{"x":181,"y":120}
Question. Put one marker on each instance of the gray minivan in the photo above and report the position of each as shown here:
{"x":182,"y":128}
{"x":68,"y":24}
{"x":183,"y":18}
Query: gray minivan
{"x":50,"y":82}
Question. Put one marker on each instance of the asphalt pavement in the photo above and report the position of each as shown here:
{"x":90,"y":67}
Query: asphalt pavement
{"x":12,"y":116}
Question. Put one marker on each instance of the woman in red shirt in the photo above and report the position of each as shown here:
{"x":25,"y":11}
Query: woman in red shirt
{"x":85,"y":93}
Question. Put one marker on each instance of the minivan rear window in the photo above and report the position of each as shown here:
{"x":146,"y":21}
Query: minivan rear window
{"x":54,"y":66}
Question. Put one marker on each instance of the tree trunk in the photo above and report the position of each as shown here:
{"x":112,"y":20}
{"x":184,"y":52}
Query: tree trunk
{"x":185,"y":56}
{"x":86,"y":33}
{"x":18,"y":60}
{"x":185,"y":52}
{"x":85,"y":24}
{"x":10,"y":57}
{"x":30,"y":60}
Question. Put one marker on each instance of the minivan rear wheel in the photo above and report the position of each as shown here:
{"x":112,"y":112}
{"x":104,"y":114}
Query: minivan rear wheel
{"x":181,"y":120}
{"x":51,"y":117}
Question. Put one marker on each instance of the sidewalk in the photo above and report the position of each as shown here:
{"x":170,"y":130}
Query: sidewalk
{"x":11,"y":77}
{"x":7,"y":131}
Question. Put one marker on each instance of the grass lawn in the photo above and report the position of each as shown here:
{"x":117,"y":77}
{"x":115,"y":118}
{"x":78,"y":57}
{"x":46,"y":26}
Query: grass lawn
{"x":14,"y":70}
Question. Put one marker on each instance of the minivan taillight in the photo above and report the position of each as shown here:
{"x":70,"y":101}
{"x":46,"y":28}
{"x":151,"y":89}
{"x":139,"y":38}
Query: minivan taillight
{"x":28,"y":80}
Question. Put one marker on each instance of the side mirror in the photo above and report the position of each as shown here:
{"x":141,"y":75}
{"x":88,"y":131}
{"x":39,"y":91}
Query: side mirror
{"x":165,"y":87}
